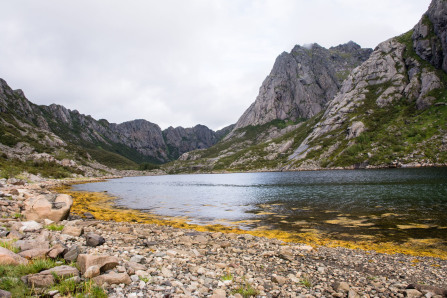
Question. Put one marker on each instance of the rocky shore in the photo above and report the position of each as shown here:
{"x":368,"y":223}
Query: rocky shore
{"x":149,"y":260}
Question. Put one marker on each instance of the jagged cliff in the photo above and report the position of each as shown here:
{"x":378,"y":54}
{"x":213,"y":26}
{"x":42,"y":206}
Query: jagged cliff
{"x":137,"y":141}
{"x":389,"y":111}
{"x":302,"y":82}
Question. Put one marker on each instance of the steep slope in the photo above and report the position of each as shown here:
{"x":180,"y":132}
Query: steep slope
{"x":116,"y":145}
{"x":390,"y":111}
{"x":302,"y":82}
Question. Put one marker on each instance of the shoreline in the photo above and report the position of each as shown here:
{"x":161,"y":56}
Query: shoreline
{"x":102,"y":206}
{"x":160,"y":259}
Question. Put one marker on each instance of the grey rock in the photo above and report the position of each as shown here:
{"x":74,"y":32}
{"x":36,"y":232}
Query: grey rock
{"x":302,"y":82}
{"x":113,"y":278}
{"x":94,"y":240}
{"x":72,"y":253}
{"x":5,"y":294}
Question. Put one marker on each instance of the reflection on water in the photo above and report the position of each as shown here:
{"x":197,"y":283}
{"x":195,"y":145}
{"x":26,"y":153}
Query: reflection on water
{"x":396,"y":204}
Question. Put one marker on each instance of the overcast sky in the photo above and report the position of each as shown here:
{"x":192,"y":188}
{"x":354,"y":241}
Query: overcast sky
{"x":174,"y":62}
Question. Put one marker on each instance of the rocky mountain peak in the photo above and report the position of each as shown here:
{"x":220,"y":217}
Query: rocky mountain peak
{"x":430,"y":35}
{"x":302,"y":82}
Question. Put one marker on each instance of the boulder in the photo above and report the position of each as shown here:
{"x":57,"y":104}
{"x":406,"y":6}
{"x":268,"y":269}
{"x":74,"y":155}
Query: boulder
{"x":30,"y":226}
{"x":5,"y":294}
{"x":104,"y":262}
{"x":31,"y":244}
{"x":94,"y":240}
{"x":72,"y":253}
{"x":113,"y":278}
{"x":54,"y":207}
{"x":35,"y":253}
{"x":46,"y":278}
{"x":73,"y":231}
{"x":7,"y":257}
{"x":57,"y":250}
{"x":92,"y":271}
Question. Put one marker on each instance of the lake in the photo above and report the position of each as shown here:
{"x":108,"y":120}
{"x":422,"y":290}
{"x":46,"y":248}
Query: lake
{"x":386,"y":204}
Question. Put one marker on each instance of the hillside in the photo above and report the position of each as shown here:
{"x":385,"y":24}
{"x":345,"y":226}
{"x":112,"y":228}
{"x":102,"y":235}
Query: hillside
{"x":43,"y":139}
{"x":389,"y":111}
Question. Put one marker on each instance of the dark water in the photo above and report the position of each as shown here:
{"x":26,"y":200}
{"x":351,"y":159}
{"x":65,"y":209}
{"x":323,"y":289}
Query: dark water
{"x":393,"y":203}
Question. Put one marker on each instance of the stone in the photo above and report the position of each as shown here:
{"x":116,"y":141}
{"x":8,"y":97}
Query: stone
{"x":279,"y":279}
{"x":73,"y":231}
{"x":219,"y":293}
{"x":57,"y":250}
{"x":53,"y":207}
{"x":112,"y":278}
{"x":104,"y":262}
{"x":135,"y":266}
{"x":38,"y":280}
{"x":7,"y":257}
{"x":341,"y":287}
{"x":88,"y":215}
{"x":5,"y":294}
{"x":30,"y":226}
{"x":72,"y":253}
{"x":62,"y":271}
{"x":137,"y":259}
{"x":94,"y":240}
{"x":413,"y":293}
{"x":31,"y":244}
{"x":48,"y":222}
{"x":166,"y":272}
{"x":92,"y":271}
{"x":36,"y":253}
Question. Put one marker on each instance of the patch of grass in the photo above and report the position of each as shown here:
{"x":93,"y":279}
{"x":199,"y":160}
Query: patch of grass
{"x":54,"y":227}
{"x":246,"y":290}
{"x":9,"y":245}
{"x":306,"y":282}
{"x":227,"y":276}
{"x":69,"y":287}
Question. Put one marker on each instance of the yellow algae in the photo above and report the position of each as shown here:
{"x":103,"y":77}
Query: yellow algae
{"x":265,"y":213}
{"x":389,"y":215}
{"x":300,"y":223}
{"x":347,"y":222}
{"x":102,"y":207}
{"x":415,"y":226}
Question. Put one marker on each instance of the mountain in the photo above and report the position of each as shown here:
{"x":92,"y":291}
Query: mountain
{"x":302,"y":82}
{"x":116,"y":145}
{"x":391,"y":110}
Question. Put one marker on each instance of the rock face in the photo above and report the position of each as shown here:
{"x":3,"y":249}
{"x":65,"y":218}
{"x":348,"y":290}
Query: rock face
{"x":302,"y":82}
{"x":430,"y":35}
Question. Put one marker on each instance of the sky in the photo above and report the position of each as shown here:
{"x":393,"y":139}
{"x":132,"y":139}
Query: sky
{"x":174,"y":62}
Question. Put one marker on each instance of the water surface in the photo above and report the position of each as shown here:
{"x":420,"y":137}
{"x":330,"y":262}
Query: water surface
{"x":397,"y":204}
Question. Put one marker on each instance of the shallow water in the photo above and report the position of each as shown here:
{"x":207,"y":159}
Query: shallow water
{"x":391,"y":204}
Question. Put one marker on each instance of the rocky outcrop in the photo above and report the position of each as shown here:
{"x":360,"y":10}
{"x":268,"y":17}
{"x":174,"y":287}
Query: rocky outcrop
{"x":430,"y":35}
{"x":302,"y":82}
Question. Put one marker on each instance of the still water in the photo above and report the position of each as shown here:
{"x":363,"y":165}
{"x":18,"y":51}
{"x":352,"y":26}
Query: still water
{"x":391,"y":203}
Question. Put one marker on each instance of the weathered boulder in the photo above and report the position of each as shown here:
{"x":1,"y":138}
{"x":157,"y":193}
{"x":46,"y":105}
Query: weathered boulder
{"x":54,"y":207}
{"x":104,"y":262}
{"x":72,"y":253}
{"x":73,"y":231}
{"x":30,"y":226}
{"x":35,"y":253}
{"x":46,"y":278}
{"x":5,"y":294}
{"x":113,"y":278}
{"x":92,"y":271}
{"x":94,"y":240}
{"x":31,"y":244}
{"x":7,"y":257}
{"x":57,"y":250}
